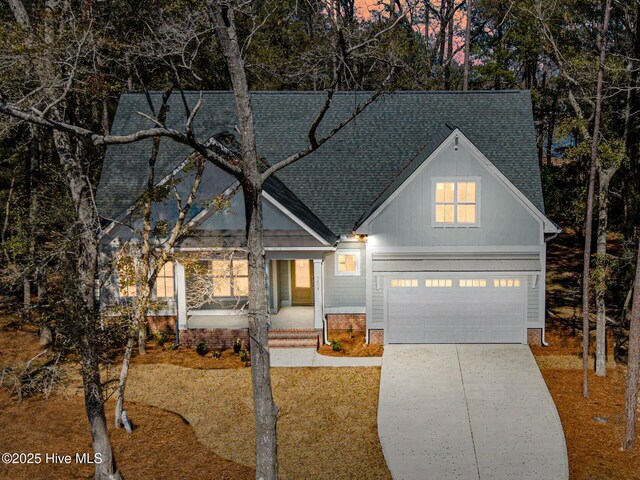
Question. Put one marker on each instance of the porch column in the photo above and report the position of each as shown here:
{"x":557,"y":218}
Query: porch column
{"x":318,"y":297}
{"x":181,"y":295}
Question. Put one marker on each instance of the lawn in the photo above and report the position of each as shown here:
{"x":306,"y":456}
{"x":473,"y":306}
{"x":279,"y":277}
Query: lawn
{"x":198,"y":422}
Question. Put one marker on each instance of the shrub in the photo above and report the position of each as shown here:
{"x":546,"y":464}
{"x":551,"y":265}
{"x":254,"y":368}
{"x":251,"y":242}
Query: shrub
{"x":201,"y":347}
{"x":350,"y":330}
{"x":237,"y":345}
{"x":244,"y":356}
{"x":216,"y":354}
{"x":335,"y":345}
{"x":161,"y":338}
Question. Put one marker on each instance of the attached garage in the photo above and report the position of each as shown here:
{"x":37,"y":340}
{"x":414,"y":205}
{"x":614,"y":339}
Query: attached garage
{"x":478,"y":297}
{"x":464,"y":307}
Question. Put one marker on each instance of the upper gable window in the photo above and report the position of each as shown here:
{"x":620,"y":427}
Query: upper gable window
{"x":456,"y":202}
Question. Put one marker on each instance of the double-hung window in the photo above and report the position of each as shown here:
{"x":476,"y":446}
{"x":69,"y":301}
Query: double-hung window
{"x":230,"y":278}
{"x":164,"y":281}
{"x":456,"y":202}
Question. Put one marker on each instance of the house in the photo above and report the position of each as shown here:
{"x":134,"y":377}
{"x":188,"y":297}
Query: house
{"x":422,"y":221}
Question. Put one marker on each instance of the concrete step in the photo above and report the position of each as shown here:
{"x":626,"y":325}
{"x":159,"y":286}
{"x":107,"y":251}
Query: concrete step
{"x":294,"y":333}
{"x":293,"y":343}
{"x":294,"y":338}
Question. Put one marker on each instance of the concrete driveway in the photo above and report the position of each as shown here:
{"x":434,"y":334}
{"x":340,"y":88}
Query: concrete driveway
{"x":468,"y":412}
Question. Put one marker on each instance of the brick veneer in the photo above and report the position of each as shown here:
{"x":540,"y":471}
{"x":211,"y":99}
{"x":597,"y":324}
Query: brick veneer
{"x":376,"y":337}
{"x":344,"y":321}
{"x":217,"y":338}
{"x":534,"y":336}
{"x":162,"y":324}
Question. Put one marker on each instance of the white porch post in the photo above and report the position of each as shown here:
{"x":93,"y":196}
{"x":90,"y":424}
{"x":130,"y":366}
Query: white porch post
{"x":318,"y":297}
{"x":181,"y":296}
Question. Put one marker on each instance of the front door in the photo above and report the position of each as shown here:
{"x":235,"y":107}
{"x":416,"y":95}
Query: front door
{"x":302,"y":282}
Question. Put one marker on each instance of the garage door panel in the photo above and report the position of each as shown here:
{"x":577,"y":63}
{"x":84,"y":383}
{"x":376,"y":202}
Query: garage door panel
{"x":455,"y":314}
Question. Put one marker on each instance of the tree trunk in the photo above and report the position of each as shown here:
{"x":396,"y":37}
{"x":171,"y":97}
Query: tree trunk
{"x":467,"y":46}
{"x":602,"y":45}
{"x":633,"y":364}
{"x":124,"y":374}
{"x":265,"y":408}
{"x":86,"y":271}
{"x":601,"y":265}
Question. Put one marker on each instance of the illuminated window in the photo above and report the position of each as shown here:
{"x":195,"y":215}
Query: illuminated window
{"x":403,"y":283}
{"x":438,"y":282}
{"x":230,"y":278}
{"x":506,"y":283}
{"x":164,"y":281}
{"x":127,"y":277}
{"x":348,"y":262}
{"x":456,"y":203}
{"x":473,"y":283}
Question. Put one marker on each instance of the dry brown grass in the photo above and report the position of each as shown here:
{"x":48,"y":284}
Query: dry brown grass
{"x":162,"y":446}
{"x":327,"y":426}
{"x":351,"y":345}
{"x":17,"y":345}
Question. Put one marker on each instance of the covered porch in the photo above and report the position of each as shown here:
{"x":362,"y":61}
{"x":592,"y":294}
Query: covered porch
{"x":294,"y":295}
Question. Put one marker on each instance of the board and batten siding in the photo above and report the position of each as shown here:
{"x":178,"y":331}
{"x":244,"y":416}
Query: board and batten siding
{"x":533,"y":300}
{"x":345,"y":290}
{"x":407,"y":219}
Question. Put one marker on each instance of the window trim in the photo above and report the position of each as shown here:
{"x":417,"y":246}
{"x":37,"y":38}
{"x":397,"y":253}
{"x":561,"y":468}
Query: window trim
{"x":455,"y":180}
{"x":347,"y":252}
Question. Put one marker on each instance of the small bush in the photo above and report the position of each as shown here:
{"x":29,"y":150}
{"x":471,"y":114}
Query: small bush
{"x":335,"y":345}
{"x":201,"y":347}
{"x":216,"y":354}
{"x":244,"y":356}
{"x":161,"y":338}
{"x":350,"y":330}
{"x":237,"y":345}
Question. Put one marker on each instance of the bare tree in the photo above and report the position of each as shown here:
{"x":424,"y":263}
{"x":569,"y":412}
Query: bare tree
{"x":467,"y":46}
{"x":245,"y":167}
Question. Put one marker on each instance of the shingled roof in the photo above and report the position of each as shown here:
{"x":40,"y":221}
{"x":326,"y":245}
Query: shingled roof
{"x":346,"y":176}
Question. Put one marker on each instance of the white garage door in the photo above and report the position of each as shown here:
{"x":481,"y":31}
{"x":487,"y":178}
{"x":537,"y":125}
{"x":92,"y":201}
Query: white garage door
{"x":456,"y":308}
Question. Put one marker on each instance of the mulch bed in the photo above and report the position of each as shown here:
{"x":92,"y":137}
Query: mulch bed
{"x":351,"y":345}
{"x":187,"y":357}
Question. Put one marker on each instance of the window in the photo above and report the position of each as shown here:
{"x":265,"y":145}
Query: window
{"x":438,"y":283}
{"x":401,"y":283}
{"x":164,"y":281}
{"x":127,"y":276}
{"x":506,"y":282}
{"x":473,"y":283}
{"x":348,"y":262}
{"x":230,"y":278}
{"x":456,"y":202}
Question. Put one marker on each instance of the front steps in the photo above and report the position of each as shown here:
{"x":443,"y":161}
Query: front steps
{"x":295,"y":338}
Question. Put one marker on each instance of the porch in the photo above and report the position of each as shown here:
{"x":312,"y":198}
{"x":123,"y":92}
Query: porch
{"x":286,"y":318}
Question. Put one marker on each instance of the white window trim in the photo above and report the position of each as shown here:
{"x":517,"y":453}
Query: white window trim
{"x":435,"y":180}
{"x":347,"y":252}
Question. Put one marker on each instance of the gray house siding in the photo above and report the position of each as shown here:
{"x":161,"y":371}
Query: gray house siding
{"x":407,"y":220}
{"x":347,"y":290}
{"x":376,"y":319}
{"x":533,"y":301}
{"x":284,"y":295}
